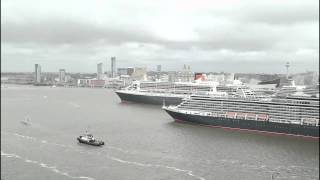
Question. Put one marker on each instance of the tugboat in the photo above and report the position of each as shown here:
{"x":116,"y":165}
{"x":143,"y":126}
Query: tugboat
{"x":89,"y":139}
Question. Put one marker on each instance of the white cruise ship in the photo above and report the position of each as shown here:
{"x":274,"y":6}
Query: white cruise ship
{"x":293,"y":114}
{"x":172,"y":93}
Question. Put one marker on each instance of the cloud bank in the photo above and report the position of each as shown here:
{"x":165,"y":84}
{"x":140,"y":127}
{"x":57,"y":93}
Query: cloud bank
{"x":230,"y":36}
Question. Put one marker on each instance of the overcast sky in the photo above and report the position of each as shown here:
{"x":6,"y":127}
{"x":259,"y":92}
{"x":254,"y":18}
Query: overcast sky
{"x":209,"y":35}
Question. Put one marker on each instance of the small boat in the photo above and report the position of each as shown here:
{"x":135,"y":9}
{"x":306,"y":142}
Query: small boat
{"x":89,"y":139}
{"x":26,"y":121}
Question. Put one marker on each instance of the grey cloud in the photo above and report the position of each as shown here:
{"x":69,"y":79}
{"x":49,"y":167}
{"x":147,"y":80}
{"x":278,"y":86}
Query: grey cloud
{"x":260,"y":37}
{"x":66,"y":33}
{"x":290,"y":13}
{"x":62,"y":31}
{"x":250,"y":35}
{"x":238,"y":36}
{"x":272,"y":12}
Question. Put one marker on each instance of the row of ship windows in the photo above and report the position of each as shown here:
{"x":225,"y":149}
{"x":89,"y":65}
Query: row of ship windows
{"x":278,"y":119}
{"x":248,"y":105}
{"x":251,"y":108}
{"x":291,"y":121}
{"x":277,"y":115}
{"x":256,"y":108}
{"x":173,"y":86}
{"x":298,"y":102}
{"x":253,"y":101}
{"x":248,"y":102}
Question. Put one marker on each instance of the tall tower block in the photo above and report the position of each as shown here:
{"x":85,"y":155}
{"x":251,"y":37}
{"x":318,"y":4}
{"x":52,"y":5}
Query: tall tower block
{"x":37,"y":72}
{"x":113,"y":67}
{"x":99,"y":71}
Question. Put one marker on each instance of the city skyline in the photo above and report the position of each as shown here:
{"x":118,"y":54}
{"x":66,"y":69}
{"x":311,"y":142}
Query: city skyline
{"x":210,"y":36}
{"x":100,"y":70}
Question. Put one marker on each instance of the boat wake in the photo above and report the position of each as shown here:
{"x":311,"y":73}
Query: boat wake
{"x":25,"y":137}
{"x":280,"y":172}
{"x":44,"y":165}
{"x":188,"y":172}
{"x":75,"y":105}
{"x":113,"y":158}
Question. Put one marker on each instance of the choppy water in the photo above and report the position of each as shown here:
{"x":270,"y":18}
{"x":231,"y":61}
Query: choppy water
{"x":142,"y":142}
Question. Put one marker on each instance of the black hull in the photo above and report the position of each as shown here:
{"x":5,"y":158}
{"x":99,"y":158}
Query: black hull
{"x":145,"y":99}
{"x":251,"y":125}
{"x":95,"y":143}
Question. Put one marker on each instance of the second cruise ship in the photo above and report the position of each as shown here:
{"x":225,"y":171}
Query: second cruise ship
{"x":172,"y":93}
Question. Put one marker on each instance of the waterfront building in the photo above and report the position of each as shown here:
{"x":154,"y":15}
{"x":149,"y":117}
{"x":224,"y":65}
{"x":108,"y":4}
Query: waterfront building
{"x":158,"y":68}
{"x":172,"y":76}
{"x":122,"y":71}
{"x":130,"y":70}
{"x":114,"y":83}
{"x":82,"y":82}
{"x":229,"y":77}
{"x":139,"y":74}
{"x":97,"y":83}
{"x":186,"y":75}
{"x":93,"y":83}
{"x":164,"y":77}
{"x":62,"y":75}
{"x":158,"y":72}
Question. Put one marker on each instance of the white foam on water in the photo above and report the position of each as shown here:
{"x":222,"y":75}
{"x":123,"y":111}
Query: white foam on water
{"x":44,"y":165}
{"x":279,"y":172}
{"x":187,"y":172}
{"x":26,"y":137}
{"x":148,"y":165}
{"x":75,"y":105}
{"x":245,"y":165}
{"x":35,"y":139}
{"x":85,"y":177}
{"x":30,"y":161}
{"x":117,"y":148}
{"x":10,"y":155}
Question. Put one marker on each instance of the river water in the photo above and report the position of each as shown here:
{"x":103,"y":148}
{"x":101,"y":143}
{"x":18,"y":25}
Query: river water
{"x":142,"y":142}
